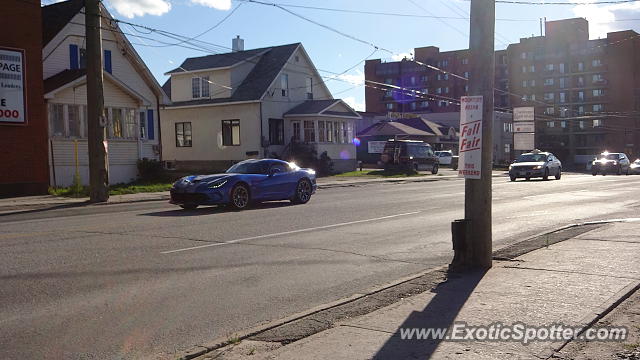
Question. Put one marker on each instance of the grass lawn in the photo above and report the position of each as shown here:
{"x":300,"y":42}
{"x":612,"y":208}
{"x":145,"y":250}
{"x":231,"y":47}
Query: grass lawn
{"x":379,"y":173}
{"x":119,"y":189}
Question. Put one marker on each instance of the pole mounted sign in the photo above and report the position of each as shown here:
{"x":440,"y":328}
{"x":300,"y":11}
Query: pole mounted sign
{"x":524,"y":128}
{"x":12,"y":93}
{"x":470,"y":149}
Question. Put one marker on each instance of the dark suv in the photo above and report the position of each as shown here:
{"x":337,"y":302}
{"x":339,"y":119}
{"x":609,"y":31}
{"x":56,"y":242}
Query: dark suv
{"x":612,"y":163}
{"x":409,"y":154}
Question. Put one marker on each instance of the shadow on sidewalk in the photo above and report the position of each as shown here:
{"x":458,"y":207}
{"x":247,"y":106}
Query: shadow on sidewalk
{"x":439,"y":313}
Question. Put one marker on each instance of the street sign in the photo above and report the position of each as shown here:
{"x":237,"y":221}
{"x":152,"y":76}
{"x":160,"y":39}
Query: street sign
{"x":523,"y":141}
{"x":524,"y":127}
{"x":12,"y":92}
{"x":524,"y":114}
{"x":470,"y":149}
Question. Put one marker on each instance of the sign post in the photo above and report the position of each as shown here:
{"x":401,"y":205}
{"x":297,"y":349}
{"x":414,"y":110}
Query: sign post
{"x":12,"y":91}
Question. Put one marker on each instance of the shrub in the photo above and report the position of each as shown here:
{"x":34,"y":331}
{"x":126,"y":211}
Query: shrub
{"x":305,"y":155}
{"x":149,"y":169}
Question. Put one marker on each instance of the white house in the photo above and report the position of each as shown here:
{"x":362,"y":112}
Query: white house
{"x":132,"y":97}
{"x":250,"y":104}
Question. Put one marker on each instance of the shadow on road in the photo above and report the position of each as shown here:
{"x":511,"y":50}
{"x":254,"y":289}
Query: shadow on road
{"x":440,"y":312}
{"x":215,"y":209}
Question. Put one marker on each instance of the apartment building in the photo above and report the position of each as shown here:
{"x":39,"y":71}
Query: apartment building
{"x":410,"y":86}
{"x":586,"y":92}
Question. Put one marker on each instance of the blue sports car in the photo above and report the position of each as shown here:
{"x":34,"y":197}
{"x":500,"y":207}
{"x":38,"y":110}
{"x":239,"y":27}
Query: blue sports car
{"x":246,"y":182}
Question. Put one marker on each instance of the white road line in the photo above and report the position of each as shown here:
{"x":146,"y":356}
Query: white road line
{"x":288,"y":232}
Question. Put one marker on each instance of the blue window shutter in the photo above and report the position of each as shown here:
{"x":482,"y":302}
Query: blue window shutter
{"x":107,"y":61}
{"x":150,"y":127}
{"x":74,"y":60}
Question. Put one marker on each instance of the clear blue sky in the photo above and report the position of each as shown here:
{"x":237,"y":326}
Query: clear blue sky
{"x":263,"y":26}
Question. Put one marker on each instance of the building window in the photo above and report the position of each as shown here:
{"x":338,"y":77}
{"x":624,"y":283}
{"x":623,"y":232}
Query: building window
{"x":390,"y":106}
{"x":507,"y":127}
{"x":532,"y":68}
{"x":524,"y":69}
{"x":439,"y":77}
{"x":563,"y":97}
{"x":549,"y":67}
{"x":276,"y":131}
{"x":465,"y":61}
{"x":284,"y":84}
{"x":130,"y":126}
{"x":524,"y":83}
{"x":442,"y":103}
{"x":309,"y":131}
{"x":563,"y":83}
{"x":597,"y":122}
{"x":295,"y":129}
{"x":183,"y":134}
{"x":200,"y":87}
{"x":388,"y":81}
{"x":350,"y":132}
{"x":343,"y":132}
{"x":596,"y":63}
{"x":330,"y":131}
{"x":581,"y":124}
{"x":466,"y":89}
{"x":446,"y":90}
{"x":388,"y":93}
{"x":412,"y":106}
{"x":549,"y":96}
{"x":580,"y":66}
{"x":597,"y":78}
{"x":56,"y":114}
{"x":322,"y":131}
{"x":548,"y":81}
{"x":580,"y":110}
{"x":598,"y":92}
{"x":549,"y":111}
{"x":580,"y":95}
{"x":507,"y":148}
{"x":598,"y":107}
{"x":532,"y":83}
{"x":115,"y":124}
{"x":73,"y":115}
{"x":523,"y":56}
{"x":466,"y":74}
{"x":580,"y":81}
{"x":561,"y":68}
{"x":412,"y":80}
{"x":423,"y":78}
{"x":309,"y":88}
{"x":195,"y":87}
{"x":425,"y":91}
{"x":142,"y":116}
{"x":424,"y":104}
{"x":563,"y":124}
{"x":230,"y":132}
{"x":336,"y":132}
{"x":551,"y":124}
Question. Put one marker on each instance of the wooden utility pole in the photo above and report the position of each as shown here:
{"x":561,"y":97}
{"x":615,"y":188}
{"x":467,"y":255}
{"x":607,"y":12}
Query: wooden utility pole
{"x":98,"y":158}
{"x":477,"y":207}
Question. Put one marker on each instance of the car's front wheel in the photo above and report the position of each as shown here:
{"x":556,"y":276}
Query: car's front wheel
{"x":545,"y":177}
{"x":240,"y":197}
{"x":303,"y":192}
{"x":559,"y":174}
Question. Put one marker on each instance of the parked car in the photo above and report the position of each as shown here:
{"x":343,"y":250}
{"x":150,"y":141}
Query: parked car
{"x":444,"y":157}
{"x":244,"y":183}
{"x":409,"y":154}
{"x":610,"y":163}
{"x":454,"y":162}
{"x":535,"y":164}
{"x":634,"y":168}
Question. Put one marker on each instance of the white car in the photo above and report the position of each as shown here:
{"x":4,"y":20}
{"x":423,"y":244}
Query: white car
{"x":445,"y":157}
{"x":634,"y":168}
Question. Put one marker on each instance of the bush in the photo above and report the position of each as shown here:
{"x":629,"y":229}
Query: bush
{"x":149,"y":169}
{"x":305,"y":155}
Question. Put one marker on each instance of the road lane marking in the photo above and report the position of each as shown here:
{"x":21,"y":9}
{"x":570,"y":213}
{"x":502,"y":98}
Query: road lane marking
{"x":288,"y":232}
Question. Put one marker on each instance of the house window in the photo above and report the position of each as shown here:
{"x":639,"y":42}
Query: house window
{"x":183,"y":134}
{"x":73,"y":115}
{"x":284,"y":84}
{"x":580,"y":110}
{"x":195,"y":87}
{"x":322,"y":131}
{"x":523,"y":55}
{"x":439,"y":91}
{"x":466,"y":89}
{"x":130,"y":126}
{"x":230,"y":132}
{"x":276,"y":131}
{"x":309,"y":88}
{"x":330,"y":137}
{"x":56,"y":113}
{"x":143,"y":122}
{"x":295,"y":128}
{"x":205,"y":86}
{"x":116,"y":124}
{"x":388,"y":81}
{"x":349,"y":132}
{"x":309,"y":131}
{"x":446,"y":90}
{"x":439,"y":76}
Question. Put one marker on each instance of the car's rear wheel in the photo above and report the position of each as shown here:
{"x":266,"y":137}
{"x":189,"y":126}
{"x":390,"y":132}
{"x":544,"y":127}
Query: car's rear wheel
{"x":545,"y":177}
{"x":240,"y":197}
{"x":189,"y":206}
{"x":559,"y":174}
{"x":512,"y":178}
{"x":303,"y":192}
{"x":434,"y":169}
{"x":594,"y":172}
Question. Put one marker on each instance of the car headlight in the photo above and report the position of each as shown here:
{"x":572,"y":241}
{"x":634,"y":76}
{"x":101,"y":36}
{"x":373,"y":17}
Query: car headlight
{"x":538,"y":167}
{"x":510,"y":167}
{"x":615,"y":163}
{"x":217,"y":184}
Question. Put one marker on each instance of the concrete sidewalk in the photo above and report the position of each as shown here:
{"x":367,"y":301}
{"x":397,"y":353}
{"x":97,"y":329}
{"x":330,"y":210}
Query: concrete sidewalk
{"x":44,"y":202}
{"x":572,"y":283}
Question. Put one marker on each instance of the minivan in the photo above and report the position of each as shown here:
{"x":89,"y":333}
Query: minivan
{"x":409,"y":154}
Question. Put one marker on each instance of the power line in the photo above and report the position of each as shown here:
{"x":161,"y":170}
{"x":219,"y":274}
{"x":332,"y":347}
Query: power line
{"x":514,"y":2}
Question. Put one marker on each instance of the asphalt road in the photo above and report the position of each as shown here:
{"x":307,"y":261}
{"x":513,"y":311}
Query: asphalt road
{"x":149,"y":280}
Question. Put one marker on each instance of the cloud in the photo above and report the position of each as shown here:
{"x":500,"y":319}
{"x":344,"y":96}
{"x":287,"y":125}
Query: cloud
{"x":355,"y":79}
{"x":133,"y":8}
{"x":602,"y":17}
{"x":398,"y":57}
{"x":216,"y":4}
{"x":358,"y":106}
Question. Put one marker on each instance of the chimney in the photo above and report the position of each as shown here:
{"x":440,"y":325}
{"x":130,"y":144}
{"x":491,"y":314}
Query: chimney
{"x":237,"y":44}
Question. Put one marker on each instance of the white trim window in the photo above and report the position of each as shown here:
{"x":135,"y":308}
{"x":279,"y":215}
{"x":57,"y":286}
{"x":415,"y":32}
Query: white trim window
{"x":200,"y":87}
{"x":322,"y":131}
{"x":309,"y":131}
{"x":284,"y":84}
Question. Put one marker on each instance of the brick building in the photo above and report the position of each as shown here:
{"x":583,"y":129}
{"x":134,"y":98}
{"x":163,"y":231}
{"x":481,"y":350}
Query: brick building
{"x":23,"y":125}
{"x":585,"y":91}
{"x":436,"y":92}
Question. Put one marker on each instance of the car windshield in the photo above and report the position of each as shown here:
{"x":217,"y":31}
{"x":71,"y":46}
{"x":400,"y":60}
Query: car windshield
{"x":249,"y":168}
{"x":608,"y":157}
{"x":531,"y":158}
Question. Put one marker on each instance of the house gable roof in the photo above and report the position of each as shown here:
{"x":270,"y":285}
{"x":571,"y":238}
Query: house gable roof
{"x":216,"y":61}
{"x":333,"y":107}
{"x":56,"y":16}
{"x":257,"y":82}
{"x":62,"y":78}
{"x":392,"y":128}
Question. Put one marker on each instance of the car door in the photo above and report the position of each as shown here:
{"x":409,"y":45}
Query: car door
{"x":275,"y":185}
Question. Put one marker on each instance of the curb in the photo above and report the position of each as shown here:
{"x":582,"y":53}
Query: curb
{"x":18,"y":209}
{"x":219,"y":343}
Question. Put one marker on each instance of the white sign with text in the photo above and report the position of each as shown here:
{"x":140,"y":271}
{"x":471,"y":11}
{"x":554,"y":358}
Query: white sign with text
{"x":375,"y":147}
{"x":470,"y":149}
{"x":12,"y":109}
